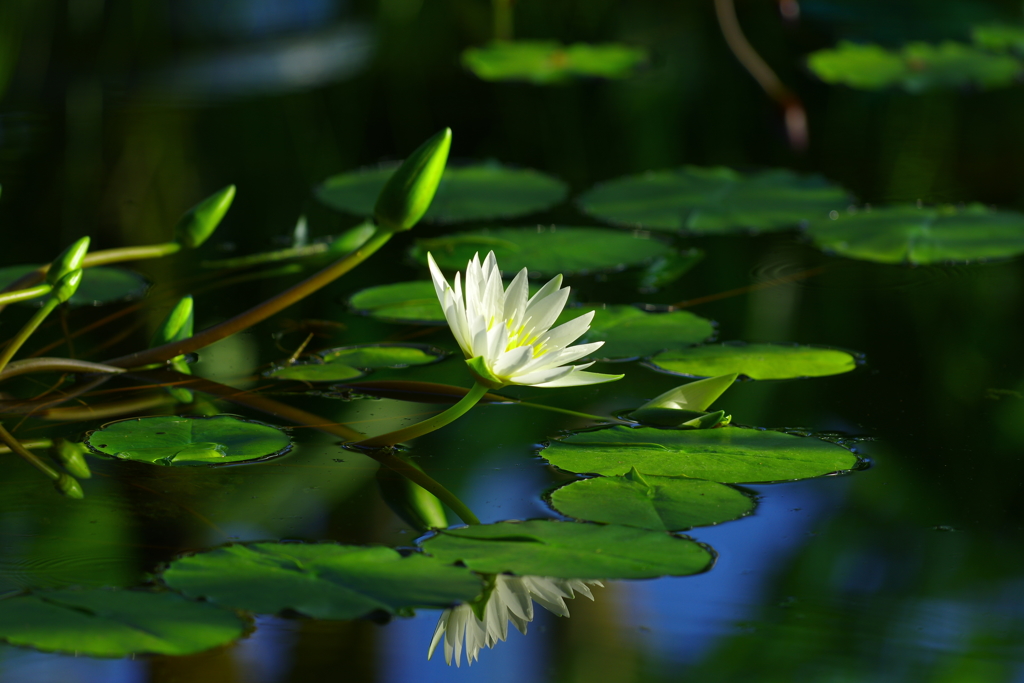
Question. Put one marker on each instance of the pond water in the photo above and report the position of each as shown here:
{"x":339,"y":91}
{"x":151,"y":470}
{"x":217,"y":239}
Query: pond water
{"x":903,"y":563}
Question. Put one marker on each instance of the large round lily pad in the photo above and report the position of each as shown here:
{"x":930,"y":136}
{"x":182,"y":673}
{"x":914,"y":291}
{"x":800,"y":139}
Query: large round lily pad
{"x":407,"y":302}
{"x":569,"y":550}
{"x":188,"y":441}
{"x":730,"y":455}
{"x":908,"y":234}
{"x":628,"y":332}
{"x":545,"y":251}
{"x":542,"y":62}
{"x":115,"y":623}
{"x":756,"y":361}
{"x":713,"y":200}
{"x":466,"y":193}
{"x":651,"y":502}
{"x":100,"y":285}
{"x":321,"y":580}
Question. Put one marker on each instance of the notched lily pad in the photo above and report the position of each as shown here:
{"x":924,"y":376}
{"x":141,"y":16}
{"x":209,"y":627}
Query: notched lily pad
{"x":569,"y":550}
{"x":349,"y":362}
{"x":115,"y":623}
{"x":756,"y":361}
{"x":543,"y":62}
{"x":922,"y":235}
{"x":628,"y":332}
{"x":713,"y":200}
{"x":545,"y":250}
{"x":189,"y":441}
{"x":651,"y":502}
{"x":321,"y":580}
{"x":100,"y":285}
{"x":730,"y":455}
{"x":475,"y":192}
{"x":405,"y":302}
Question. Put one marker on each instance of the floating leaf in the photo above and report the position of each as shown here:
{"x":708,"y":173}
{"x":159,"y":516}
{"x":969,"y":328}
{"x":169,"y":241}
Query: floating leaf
{"x":569,"y":550}
{"x":905,"y":233}
{"x":115,"y":623}
{"x":348,"y":362}
{"x":713,"y":200}
{"x":651,"y":502}
{"x":756,"y":361}
{"x":322,"y":580}
{"x":100,"y":285}
{"x":467,"y":193}
{"x":542,"y":62}
{"x":406,"y":302}
{"x":545,"y":251}
{"x":185,"y":441}
{"x":729,"y":455}
{"x":316,"y":372}
{"x":665,"y":270}
{"x":999,"y":37}
{"x":916,"y":67}
{"x":628,"y":332}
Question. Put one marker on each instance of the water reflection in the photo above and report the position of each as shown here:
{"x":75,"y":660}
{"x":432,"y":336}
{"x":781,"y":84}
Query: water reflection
{"x":510,"y":598}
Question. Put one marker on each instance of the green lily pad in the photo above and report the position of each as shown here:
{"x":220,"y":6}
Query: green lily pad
{"x":316,"y":372}
{"x":569,"y":550}
{"x":100,"y":285}
{"x":756,"y":361}
{"x":916,"y":67}
{"x":713,"y":200}
{"x":115,"y":623}
{"x":466,"y":193}
{"x":546,"y":251}
{"x":730,"y":455}
{"x":628,"y":332}
{"x":321,"y":580}
{"x":651,"y":502}
{"x":188,"y":441}
{"x":905,"y":233}
{"x":542,"y":62}
{"x":350,"y":362}
{"x":999,"y":37}
{"x":405,"y":302}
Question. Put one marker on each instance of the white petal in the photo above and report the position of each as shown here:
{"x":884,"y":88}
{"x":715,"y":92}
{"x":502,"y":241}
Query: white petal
{"x":439,"y":630}
{"x":549,"y":288}
{"x":559,"y":358}
{"x":516,"y":298}
{"x":541,"y":377}
{"x":440,"y":283}
{"x":516,"y":597}
{"x":566,"y":333}
{"x":508,"y":363}
{"x":576,"y":379}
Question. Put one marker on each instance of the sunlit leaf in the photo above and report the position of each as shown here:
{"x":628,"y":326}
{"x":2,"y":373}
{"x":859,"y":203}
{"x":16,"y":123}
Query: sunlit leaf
{"x":322,"y":580}
{"x":756,"y":361}
{"x":115,"y":623}
{"x":545,"y":251}
{"x":906,"y":233}
{"x":475,"y":192}
{"x":406,"y":302}
{"x":729,"y":455}
{"x":349,"y":362}
{"x":543,"y":62}
{"x":569,"y":550}
{"x":651,"y":502}
{"x":100,"y":285}
{"x":713,"y":200}
{"x":628,"y":332}
{"x":916,"y":67}
{"x":316,"y":372}
{"x":185,"y":441}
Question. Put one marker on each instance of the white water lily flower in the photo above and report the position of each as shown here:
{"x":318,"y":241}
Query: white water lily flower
{"x":506,"y":334}
{"x":510,"y":600}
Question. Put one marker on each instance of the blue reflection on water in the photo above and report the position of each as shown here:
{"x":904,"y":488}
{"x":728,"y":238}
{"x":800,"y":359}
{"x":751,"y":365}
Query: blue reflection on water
{"x":26,"y":666}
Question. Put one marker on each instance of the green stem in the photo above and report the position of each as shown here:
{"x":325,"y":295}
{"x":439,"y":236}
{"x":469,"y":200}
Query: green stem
{"x":24,"y":294}
{"x":25,"y":332}
{"x":15,"y":446}
{"x":102,"y":258}
{"x":42,"y":364}
{"x":29,"y":443}
{"x":565,"y":411}
{"x":502,"y":19}
{"x":429,"y":425}
{"x":257,"y":313}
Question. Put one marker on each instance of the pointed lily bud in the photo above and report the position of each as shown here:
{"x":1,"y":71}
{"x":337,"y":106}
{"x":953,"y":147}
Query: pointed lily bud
{"x":69,"y":486}
{"x":178,"y":325}
{"x":408,"y":193}
{"x":419,"y":508}
{"x":67,"y":286}
{"x":69,"y":260}
{"x":72,"y":457}
{"x":201,"y":220}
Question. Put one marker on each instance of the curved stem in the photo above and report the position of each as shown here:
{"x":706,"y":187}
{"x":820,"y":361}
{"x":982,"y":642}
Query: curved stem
{"x":30,"y":365}
{"x":429,"y":425}
{"x":29,"y":443}
{"x":566,"y":411}
{"x":24,"y":294}
{"x":26,"y":331}
{"x":32,"y":458}
{"x":257,"y":313}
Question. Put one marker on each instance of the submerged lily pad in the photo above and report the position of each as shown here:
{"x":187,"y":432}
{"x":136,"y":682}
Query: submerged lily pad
{"x":908,"y":234}
{"x":628,"y":332}
{"x":406,"y":302}
{"x":349,"y":362}
{"x":546,"y":251}
{"x":321,"y":580}
{"x":569,"y":550}
{"x":188,"y":441}
{"x":100,"y":285}
{"x":115,"y":623}
{"x":466,"y":193}
{"x":916,"y":67}
{"x":713,"y":200}
{"x":756,"y":361}
{"x":542,"y":62}
{"x":651,"y":502}
{"x":730,"y":455}
{"x":316,"y":372}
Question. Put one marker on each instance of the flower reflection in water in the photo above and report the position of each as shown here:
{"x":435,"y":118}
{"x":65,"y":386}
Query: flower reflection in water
{"x":510,"y":598}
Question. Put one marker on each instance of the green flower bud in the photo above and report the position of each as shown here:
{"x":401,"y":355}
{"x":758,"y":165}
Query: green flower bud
{"x":416,"y":506}
{"x":69,"y":260}
{"x":67,"y":286}
{"x":177,"y":325}
{"x":201,"y":220}
{"x":72,"y":457}
{"x":69,"y":486}
{"x":408,"y":193}
{"x":482,"y":374}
